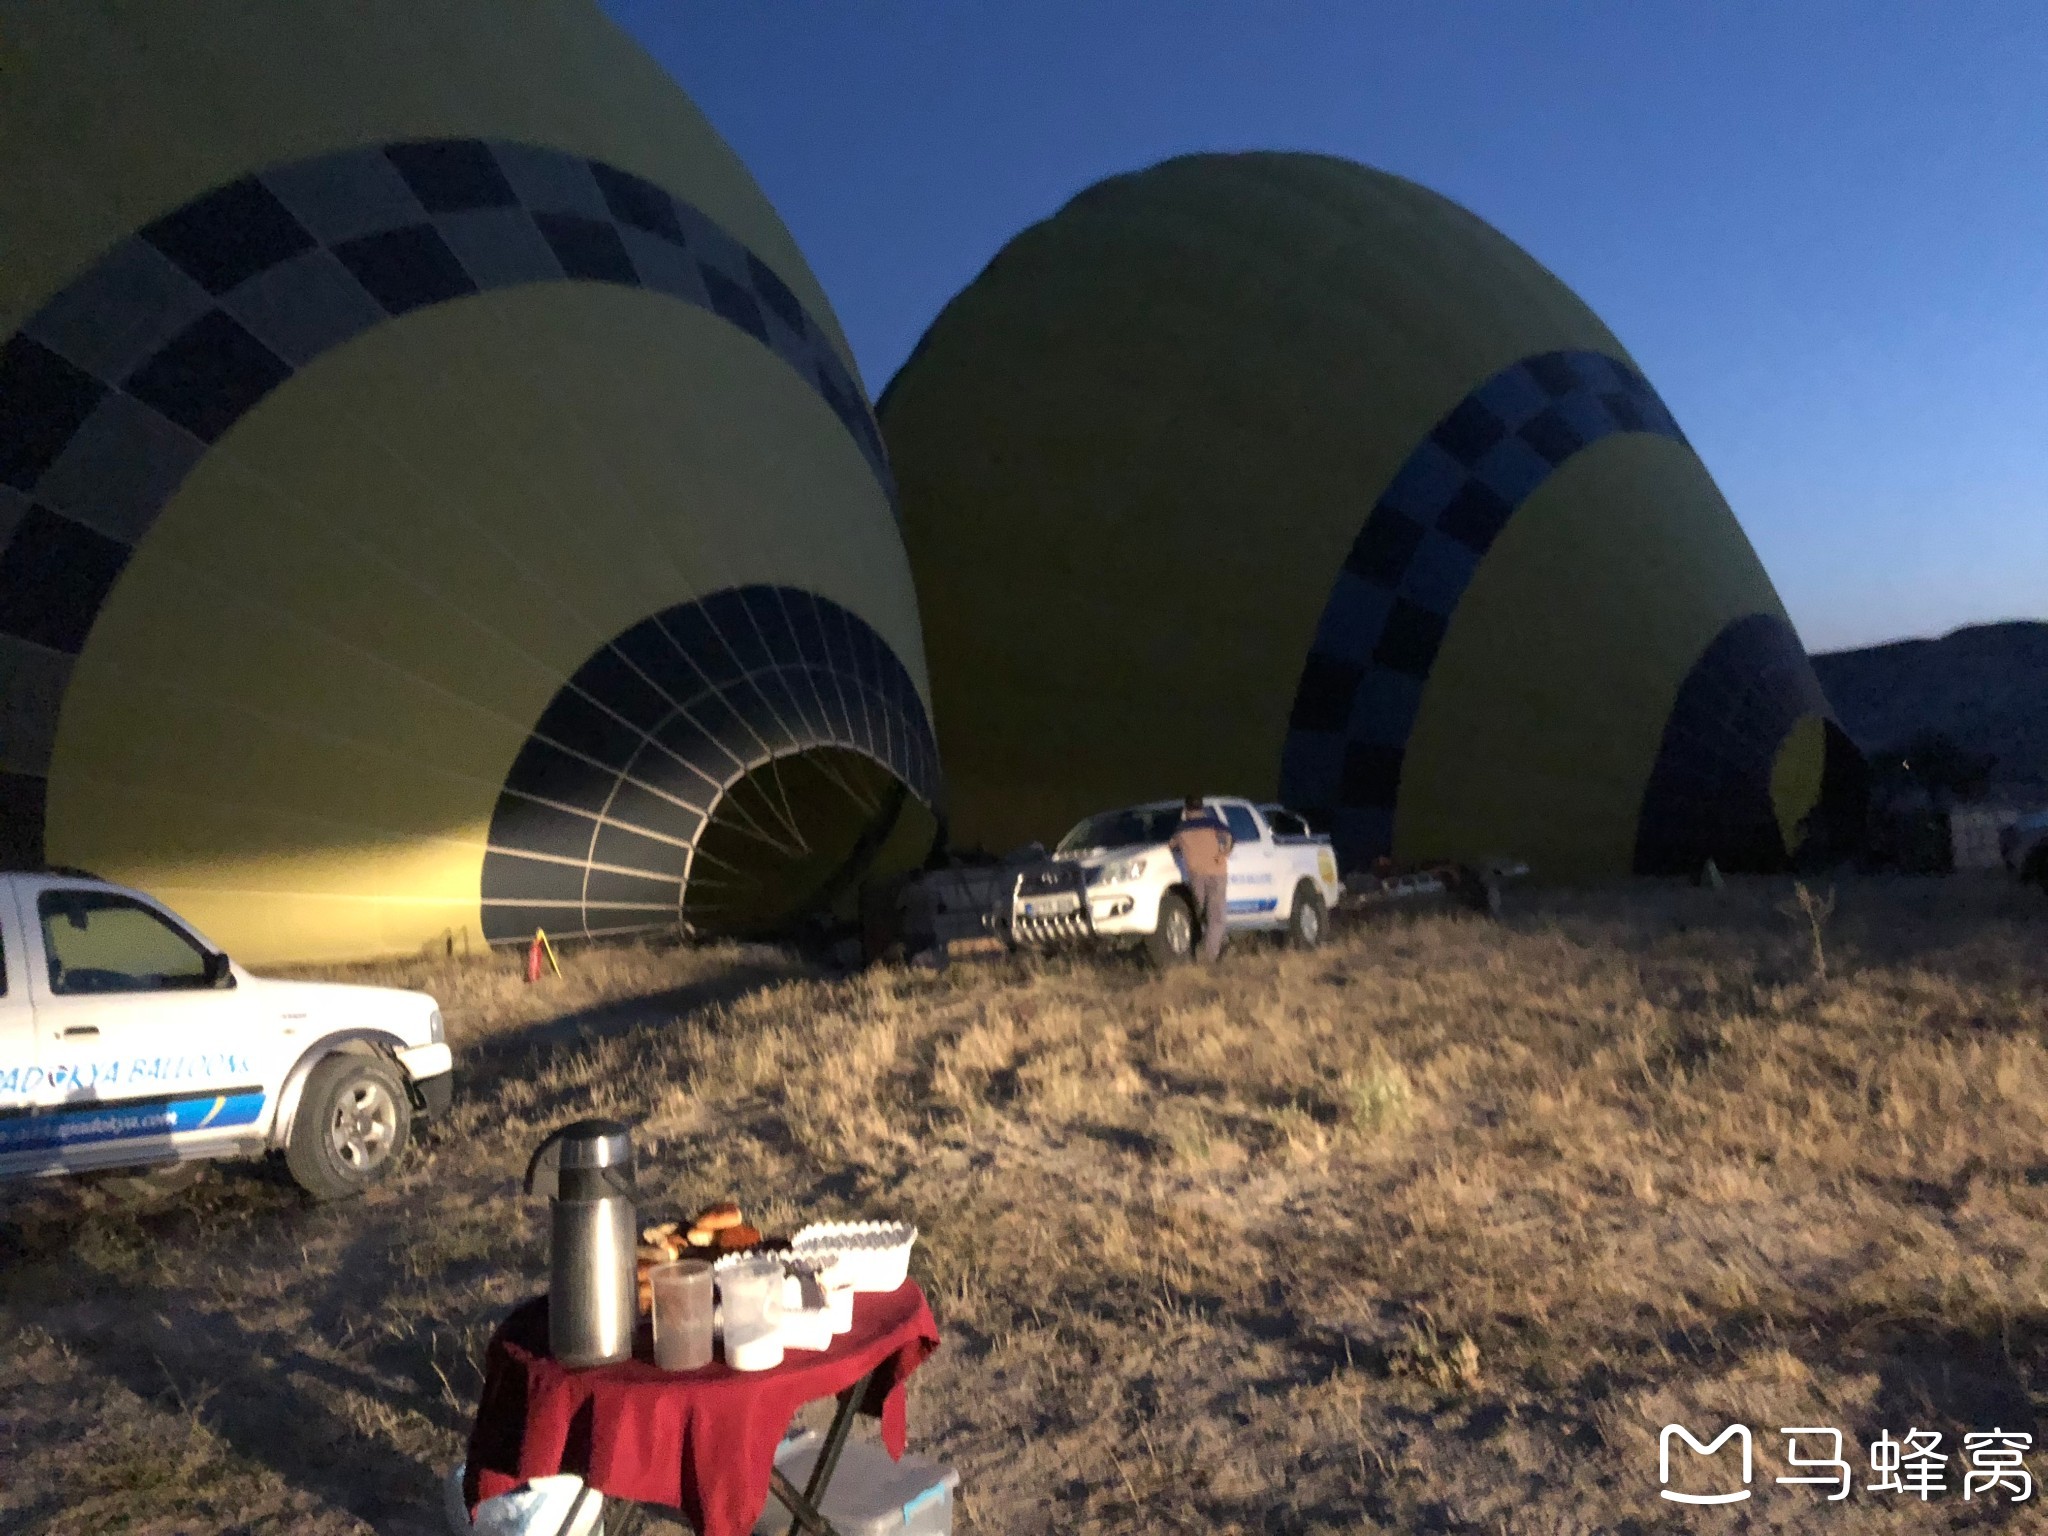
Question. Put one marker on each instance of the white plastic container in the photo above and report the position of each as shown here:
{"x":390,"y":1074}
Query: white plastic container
{"x":834,"y":1292}
{"x":750,"y":1314}
{"x":545,"y":1506}
{"x":870,"y":1494}
{"x":839,"y":1303}
{"x":873,"y":1255}
{"x":807,"y":1328}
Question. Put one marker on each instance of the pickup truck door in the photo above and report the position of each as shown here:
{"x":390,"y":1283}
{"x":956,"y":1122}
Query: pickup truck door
{"x":22,"y":1090}
{"x":1255,"y":900}
{"x":142,"y":1060}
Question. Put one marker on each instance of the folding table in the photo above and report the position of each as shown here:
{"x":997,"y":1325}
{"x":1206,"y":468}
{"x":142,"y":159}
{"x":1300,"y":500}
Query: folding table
{"x":701,"y":1442}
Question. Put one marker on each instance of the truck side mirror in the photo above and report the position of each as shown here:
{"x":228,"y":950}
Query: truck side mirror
{"x":219,"y":969}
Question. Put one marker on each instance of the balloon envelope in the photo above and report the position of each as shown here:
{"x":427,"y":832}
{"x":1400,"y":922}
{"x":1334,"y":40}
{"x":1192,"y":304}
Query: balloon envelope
{"x":1274,"y":474}
{"x":439,"y":501}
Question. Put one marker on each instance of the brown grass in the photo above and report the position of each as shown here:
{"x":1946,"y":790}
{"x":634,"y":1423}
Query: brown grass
{"x":1431,"y":1231}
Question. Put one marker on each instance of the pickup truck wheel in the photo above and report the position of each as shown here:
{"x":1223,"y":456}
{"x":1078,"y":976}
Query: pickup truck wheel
{"x":352,"y":1123}
{"x":1172,"y":939}
{"x":1309,"y":922}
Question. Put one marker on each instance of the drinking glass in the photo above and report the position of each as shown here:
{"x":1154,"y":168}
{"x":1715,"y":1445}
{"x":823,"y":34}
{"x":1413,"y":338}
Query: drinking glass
{"x":682,"y":1314}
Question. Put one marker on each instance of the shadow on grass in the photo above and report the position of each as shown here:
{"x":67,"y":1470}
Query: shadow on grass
{"x":235,"y":1381}
{"x":483,"y":1067}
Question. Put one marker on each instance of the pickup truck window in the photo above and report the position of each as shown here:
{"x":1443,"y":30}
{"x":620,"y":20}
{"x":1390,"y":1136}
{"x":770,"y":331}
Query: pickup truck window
{"x":101,"y":942}
{"x":1243,"y":825}
{"x":1286,"y":824}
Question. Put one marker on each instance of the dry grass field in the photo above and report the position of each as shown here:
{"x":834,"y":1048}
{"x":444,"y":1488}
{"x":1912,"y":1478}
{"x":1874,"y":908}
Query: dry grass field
{"x":1430,"y":1231}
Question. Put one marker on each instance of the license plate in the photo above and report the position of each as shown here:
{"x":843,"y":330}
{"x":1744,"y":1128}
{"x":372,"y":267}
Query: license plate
{"x":1052,"y":906}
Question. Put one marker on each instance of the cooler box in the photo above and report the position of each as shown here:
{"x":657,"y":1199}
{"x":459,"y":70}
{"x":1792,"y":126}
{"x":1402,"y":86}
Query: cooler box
{"x":870,"y":1494}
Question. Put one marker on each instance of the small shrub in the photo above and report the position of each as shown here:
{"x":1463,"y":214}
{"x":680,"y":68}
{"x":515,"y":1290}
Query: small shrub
{"x":1816,"y":910}
{"x":1301,"y":1135}
{"x":1378,"y":1098}
{"x":1187,"y":1134}
{"x":1425,"y":1355}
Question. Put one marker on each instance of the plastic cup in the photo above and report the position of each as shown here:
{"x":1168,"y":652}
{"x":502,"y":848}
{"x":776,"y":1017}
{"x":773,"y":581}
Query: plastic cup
{"x":832,"y":1288}
{"x":751,"y":1291}
{"x":682,"y":1314}
{"x":839,"y":1299}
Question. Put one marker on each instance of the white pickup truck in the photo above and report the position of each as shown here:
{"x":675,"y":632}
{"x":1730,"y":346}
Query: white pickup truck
{"x":127,"y":1039}
{"x":1115,"y":878}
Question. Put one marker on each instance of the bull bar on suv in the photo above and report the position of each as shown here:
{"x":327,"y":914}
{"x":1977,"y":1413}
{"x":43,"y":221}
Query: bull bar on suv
{"x":1048,"y":883}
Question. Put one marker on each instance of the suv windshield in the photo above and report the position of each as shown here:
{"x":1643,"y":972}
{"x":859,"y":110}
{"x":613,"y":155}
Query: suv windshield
{"x":1120,"y":829}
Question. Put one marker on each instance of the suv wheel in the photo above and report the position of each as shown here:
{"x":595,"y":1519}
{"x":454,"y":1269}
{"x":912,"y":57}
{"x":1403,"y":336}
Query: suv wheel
{"x":1172,"y":939}
{"x":353,"y":1122}
{"x":1309,"y":922}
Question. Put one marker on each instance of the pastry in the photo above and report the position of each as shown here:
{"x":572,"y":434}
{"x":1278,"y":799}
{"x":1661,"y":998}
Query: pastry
{"x":643,"y":1283}
{"x":733,"y":1239}
{"x":717,"y":1218}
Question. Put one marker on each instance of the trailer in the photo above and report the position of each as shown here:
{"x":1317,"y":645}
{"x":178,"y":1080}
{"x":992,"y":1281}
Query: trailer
{"x":1476,"y":886}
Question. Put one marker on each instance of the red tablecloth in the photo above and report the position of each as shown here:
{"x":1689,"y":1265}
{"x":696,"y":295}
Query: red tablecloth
{"x":699,"y":1441}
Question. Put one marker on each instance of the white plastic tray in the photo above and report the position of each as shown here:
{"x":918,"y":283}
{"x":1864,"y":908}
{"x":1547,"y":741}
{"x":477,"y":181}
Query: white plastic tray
{"x":873,"y":1255}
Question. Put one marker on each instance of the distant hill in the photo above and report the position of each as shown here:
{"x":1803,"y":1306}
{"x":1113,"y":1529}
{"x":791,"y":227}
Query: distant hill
{"x":1985,"y":686}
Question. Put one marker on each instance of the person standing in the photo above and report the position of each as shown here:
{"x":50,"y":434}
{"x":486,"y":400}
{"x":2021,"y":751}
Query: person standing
{"x":1202,"y":844}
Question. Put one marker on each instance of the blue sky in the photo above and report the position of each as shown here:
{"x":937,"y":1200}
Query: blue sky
{"x":1822,"y":229}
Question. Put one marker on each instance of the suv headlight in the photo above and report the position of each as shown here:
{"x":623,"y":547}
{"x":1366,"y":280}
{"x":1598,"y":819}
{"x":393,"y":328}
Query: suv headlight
{"x":435,"y":1034}
{"x":1117,"y":873}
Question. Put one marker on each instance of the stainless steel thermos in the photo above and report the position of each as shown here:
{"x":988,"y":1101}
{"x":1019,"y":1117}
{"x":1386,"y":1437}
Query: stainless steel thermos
{"x":586,"y":1172}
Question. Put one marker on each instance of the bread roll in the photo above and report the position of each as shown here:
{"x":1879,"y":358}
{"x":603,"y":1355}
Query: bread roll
{"x":716,"y":1218}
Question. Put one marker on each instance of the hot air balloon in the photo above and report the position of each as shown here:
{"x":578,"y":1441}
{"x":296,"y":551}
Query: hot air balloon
{"x":1276,"y":474}
{"x":438,"y":501}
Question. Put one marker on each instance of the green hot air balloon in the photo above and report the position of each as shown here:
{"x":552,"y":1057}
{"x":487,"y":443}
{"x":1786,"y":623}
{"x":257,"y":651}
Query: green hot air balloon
{"x":436,"y":500}
{"x":1274,"y":474}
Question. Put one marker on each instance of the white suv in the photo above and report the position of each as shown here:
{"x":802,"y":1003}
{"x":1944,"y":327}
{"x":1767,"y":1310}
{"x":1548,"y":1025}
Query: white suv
{"x":126,"y":1039}
{"x":1114,"y":878}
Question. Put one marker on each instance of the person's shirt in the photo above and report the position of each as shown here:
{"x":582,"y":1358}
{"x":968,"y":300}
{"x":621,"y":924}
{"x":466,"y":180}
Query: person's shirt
{"x":1202,"y":844}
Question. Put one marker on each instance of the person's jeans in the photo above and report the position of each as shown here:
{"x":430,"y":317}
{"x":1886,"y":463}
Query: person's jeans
{"x":1211,"y":901}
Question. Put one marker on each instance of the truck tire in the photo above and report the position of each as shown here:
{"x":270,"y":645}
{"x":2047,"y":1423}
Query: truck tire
{"x":1172,"y":939}
{"x":1308,"y":924}
{"x":352,"y":1124}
